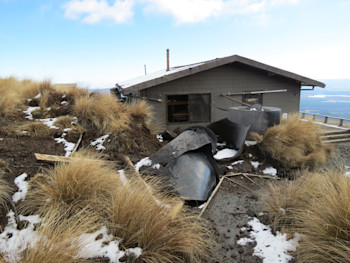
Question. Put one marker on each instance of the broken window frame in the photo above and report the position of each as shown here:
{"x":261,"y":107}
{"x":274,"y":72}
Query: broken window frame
{"x":185,"y":115}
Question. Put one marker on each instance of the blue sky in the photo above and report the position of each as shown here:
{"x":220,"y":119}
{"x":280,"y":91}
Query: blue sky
{"x":98,"y":43}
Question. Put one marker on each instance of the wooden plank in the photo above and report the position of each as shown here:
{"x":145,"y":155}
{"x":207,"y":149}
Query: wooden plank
{"x":48,"y":158}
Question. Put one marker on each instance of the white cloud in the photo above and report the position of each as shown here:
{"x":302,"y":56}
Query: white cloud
{"x":186,"y":11}
{"x":93,"y":11}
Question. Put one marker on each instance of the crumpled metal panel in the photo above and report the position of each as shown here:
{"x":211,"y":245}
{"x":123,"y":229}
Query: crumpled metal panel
{"x":187,"y":163}
{"x":189,"y":140}
{"x":234,"y":134}
{"x":192,"y":176}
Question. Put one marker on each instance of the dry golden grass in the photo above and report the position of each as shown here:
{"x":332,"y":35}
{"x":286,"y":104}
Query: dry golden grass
{"x":102,"y":113}
{"x":31,"y":129}
{"x":284,"y":199}
{"x":58,"y":235}
{"x":318,"y":207}
{"x":294,"y":143}
{"x":71,"y":91}
{"x":77,"y":184}
{"x":325,"y":224}
{"x":140,"y":217}
{"x":5,"y":189}
{"x":64,"y":122}
{"x":139,"y":109}
{"x":13,"y":94}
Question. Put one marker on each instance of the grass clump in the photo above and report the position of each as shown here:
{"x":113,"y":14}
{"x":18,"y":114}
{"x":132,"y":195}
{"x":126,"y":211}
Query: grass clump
{"x":13,"y":94}
{"x":318,"y":207}
{"x":101,"y":113}
{"x":5,"y":189}
{"x":294,"y":144}
{"x":58,"y":237}
{"x":138,"y":215}
{"x":31,"y":129}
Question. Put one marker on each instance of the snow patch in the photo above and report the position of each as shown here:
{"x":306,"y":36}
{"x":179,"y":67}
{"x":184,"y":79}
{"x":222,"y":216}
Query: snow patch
{"x":29,"y":111}
{"x":68,"y":146}
{"x":160,"y":137}
{"x":13,"y":241}
{"x":250,"y":143}
{"x":49,"y":122}
{"x":22,"y":188}
{"x":270,"y":248}
{"x":255,"y":164}
{"x":237,"y":162}
{"x":225,"y":153}
{"x":143,"y":162}
{"x":270,"y":170}
{"x":202,"y":206}
{"x":99,"y":142}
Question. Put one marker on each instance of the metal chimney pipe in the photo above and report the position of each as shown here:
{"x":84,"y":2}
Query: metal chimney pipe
{"x":167,"y":60}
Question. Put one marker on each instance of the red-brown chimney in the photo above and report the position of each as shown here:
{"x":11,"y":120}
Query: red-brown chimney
{"x":167,"y":60}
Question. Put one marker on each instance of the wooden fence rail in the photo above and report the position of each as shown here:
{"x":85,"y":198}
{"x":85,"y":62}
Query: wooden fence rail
{"x":325,"y":117}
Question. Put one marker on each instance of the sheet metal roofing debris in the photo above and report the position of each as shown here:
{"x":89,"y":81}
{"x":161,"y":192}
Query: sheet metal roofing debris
{"x":188,"y":164}
{"x":234,"y":134}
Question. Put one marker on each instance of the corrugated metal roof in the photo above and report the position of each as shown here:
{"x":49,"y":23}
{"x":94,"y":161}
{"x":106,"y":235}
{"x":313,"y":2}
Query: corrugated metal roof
{"x":173,"y":73}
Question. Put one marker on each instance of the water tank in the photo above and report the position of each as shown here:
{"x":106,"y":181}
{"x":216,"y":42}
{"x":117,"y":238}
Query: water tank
{"x":259,"y":119}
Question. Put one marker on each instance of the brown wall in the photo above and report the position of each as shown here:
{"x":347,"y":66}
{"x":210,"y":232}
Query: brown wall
{"x":229,"y":78}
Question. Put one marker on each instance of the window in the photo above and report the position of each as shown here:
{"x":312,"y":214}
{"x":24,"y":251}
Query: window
{"x":252,"y":98}
{"x":189,"y":108}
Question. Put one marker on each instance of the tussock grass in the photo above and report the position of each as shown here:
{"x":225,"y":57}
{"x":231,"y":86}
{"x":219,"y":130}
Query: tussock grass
{"x":102,"y":113}
{"x":139,"y":215}
{"x":293,"y":144}
{"x":13,"y":93}
{"x":5,"y":189}
{"x":77,"y":185}
{"x":64,"y":122}
{"x":139,"y":109}
{"x":318,"y":207}
{"x":31,"y":129}
{"x":325,"y":224}
{"x":58,"y":237}
{"x":283,"y":201}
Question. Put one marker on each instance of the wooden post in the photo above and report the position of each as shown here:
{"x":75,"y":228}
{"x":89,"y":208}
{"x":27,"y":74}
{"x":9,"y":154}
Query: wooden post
{"x":314,"y":117}
{"x":341,"y":122}
{"x":325,"y":119}
{"x":303,"y":115}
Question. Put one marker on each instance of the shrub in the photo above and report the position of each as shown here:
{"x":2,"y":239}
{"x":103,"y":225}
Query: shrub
{"x":294,"y":143}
